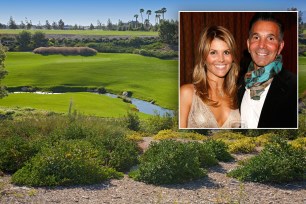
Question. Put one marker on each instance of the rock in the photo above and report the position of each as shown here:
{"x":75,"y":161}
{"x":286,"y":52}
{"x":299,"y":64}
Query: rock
{"x":127,"y":93}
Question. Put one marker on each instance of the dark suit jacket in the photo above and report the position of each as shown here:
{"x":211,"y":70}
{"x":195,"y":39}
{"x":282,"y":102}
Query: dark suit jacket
{"x":280,"y":107}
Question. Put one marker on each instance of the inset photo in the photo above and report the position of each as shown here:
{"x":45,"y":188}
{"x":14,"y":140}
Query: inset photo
{"x":238,"y":70}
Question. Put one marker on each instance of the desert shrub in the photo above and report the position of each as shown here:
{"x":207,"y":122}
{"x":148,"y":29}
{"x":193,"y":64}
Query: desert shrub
{"x":205,"y":153}
{"x":76,"y":131}
{"x":170,"y":134}
{"x":132,"y":121}
{"x":68,"y":163}
{"x":228,"y":135}
{"x":220,"y":149}
{"x":169,"y":162}
{"x":264,"y":139}
{"x":299,"y":142}
{"x":84,"y":51}
{"x":278,"y":162}
{"x":122,"y":153}
{"x":245,"y":145}
{"x":166,"y":134}
{"x":15,"y":151}
{"x":135,"y":136}
{"x":158,"y":122}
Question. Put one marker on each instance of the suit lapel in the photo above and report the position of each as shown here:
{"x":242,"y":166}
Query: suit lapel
{"x":276,"y":93}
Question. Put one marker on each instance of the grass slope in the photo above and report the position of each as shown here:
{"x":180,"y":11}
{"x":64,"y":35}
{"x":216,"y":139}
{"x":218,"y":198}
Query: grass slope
{"x":84,"y":103}
{"x":147,"y":77}
{"x":302,"y":75}
{"x":84,"y":32}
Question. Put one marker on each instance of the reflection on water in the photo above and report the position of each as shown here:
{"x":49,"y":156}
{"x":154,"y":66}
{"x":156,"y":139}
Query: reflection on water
{"x":146,"y":107}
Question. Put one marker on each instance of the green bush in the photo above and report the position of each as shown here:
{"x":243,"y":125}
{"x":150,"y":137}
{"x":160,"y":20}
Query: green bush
{"x":15,"y":151}
{"x":132,"y":121}
{"x":159,"y":122}
{"x":76,"y":131}
{"x":278,"y":162}
{"x":220,"y":149}
{"x":205,"y":153}
{"x":171,"y":134}
{"x":122,"y":153}
{"x":169,"y":162}
{"x":244,"y":145}
{"x":68,"y":163}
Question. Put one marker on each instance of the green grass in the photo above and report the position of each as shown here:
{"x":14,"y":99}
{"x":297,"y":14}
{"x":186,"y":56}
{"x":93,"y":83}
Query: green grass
{"x":302,"y":75}
{"x":83,"y":103}
{"x":85,"y":32}
{"x":147,"y":77}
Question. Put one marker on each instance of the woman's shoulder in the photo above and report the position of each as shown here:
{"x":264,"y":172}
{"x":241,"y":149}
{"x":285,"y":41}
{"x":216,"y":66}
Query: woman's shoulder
{"x":187,"y":89}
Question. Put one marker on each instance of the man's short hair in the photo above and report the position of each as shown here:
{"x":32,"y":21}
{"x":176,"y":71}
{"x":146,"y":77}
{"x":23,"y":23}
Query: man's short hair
{"x":267,"y":16}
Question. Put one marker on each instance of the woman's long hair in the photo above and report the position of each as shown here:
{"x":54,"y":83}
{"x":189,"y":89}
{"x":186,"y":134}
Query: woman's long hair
{"x":200,"y":70}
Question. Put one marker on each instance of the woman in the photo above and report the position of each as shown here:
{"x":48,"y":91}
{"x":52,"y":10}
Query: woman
{"x":211,"y":101}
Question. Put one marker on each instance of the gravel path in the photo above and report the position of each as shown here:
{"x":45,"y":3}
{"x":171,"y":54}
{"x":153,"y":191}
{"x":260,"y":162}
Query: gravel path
{"x":215,"y":188}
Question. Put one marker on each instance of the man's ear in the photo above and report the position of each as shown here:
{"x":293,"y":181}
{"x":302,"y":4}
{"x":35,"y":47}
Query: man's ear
{"x":281,"y":46}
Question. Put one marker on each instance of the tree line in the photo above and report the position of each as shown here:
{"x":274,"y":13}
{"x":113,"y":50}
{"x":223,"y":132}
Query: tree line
{"x":122,"y":26}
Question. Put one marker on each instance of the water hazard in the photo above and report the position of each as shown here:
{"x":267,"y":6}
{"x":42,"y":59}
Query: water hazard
{"x":146,"y":107}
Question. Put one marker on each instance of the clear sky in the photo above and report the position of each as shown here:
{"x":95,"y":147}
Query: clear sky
{"x":85,"y":12}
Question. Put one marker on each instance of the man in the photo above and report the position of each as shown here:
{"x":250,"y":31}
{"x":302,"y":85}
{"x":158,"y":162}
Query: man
{"x":268,"y":97}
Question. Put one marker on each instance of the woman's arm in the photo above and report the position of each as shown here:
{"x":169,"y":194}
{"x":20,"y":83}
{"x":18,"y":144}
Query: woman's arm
{"x":186,"y":93}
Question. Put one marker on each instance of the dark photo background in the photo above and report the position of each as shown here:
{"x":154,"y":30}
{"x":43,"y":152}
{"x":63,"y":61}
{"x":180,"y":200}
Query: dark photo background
{"x":193,"y":23}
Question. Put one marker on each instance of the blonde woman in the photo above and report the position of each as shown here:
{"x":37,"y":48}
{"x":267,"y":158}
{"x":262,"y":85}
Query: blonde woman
{"x":211,"y":100}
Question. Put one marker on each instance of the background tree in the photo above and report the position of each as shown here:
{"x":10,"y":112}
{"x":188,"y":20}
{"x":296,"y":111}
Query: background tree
{"x":28,"y":24}
{"x":39,"y":26}
{"x":99,"y":25}
{"x":54,"y":25}
{"x":12,"y":24}
{"x":163,"y":11}
{"x":149,"y":12}
{"x":3,"y":72}
{"x":39,"y":39}
{"x":24,"y":41}
{"x":168,"y":32}
{"x":147,"y":23}
{"x":109,"y":24}
{"x":157,"y":16}
{"x":22,"y":25}
{"x":61,"y":24}
{"x":91,"y":27}
{"x":75,"y":27}
{"x":136,"y":16}
{"x":141,"y":11}
{"x":47,"y":25}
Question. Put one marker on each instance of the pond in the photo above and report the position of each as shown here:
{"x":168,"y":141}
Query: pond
{"x":146,"y":107}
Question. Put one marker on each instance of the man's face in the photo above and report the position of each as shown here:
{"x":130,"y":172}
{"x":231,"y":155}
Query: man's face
{"x":264,"y":43}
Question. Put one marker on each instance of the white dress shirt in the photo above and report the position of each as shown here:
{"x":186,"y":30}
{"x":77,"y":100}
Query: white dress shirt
{"x":251,"y":109}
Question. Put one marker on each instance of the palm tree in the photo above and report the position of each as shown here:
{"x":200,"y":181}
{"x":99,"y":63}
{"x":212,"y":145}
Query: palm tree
{"x":163,"y":10}
{"x":149,"y":13}
{"x":147,"y":23}
{"x":141,"y":11}
{"x":157,"y":16}
{"x":136,"y":16}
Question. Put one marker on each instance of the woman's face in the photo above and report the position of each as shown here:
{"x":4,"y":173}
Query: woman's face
{"x":219,"y":60}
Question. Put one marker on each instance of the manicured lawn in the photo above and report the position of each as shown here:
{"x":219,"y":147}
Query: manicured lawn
{"x":147,"y":77}
{"x":85,"y":32}
{"x":302,"y":75}
{"x":83,"y":103}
